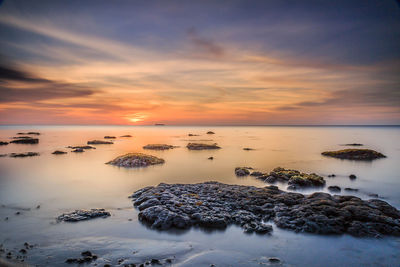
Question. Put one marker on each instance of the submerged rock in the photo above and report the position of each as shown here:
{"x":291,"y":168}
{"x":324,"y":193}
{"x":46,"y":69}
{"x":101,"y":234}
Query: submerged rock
{"x":29,"y":133}
{"x":81,"y":147}
{"x":109,"y":137}
{"x":201,"y":146}
{"x":59,"y":152}
{"x":22,"y":155}
{"x":351,"y":189}
{"x":99,"y":142}
{"x":3,"y":143}
{"x":242,"y":171}
{"x":87,"y":257}
{"x":217,"y":205}
{"x":294,"y":178}
{"x":81,"y":215}
{"x":25,"y":141}
{"x":353,"y":144}
{"x":158,"y":147}
{"x":354,"y":154}
{"x":132,"y":160}
{"x":334,"y":188}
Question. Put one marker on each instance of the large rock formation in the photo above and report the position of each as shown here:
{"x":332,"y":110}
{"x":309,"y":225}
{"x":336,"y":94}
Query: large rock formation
{"x":216,"y":205}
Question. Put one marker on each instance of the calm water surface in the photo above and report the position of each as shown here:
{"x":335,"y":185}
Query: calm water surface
{"x":62,"y":183}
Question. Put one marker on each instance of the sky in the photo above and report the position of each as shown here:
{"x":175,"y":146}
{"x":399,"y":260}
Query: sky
{"x":200,"y":62}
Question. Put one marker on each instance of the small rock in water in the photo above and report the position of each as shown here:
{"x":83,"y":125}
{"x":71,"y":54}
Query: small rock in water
{"x":294,"y":178}
{"x":354,"y":144}
{"x":242,"y":171}
{"x":126,"y":135}
{"x":81,"y":215}
{"x":81,"y":147}
{"x":334,"y":188}
{"x":78,"y":150}
{"x":354,"y":154}
{"x":210,"y":132}
{"x":193,"y":134}
{"x":23,"y":155}
{"x":158,"y":146}
{"x":373,"y":195}
{"x":352,"y":176}
{"x":331,"y":175}
{"x":99,"y":142}
{"x":351,"y":189}
{"x":274,"y":260}
{"x":25,"y":141}
{"x":109,"y":137}
{"x":59,"y":152}
{"x":3,"y":143}
{"x":201,"y":146}
{"x":23,"y":251}
{"x":133,"y":160}
{"x":211,"y":158}
{"x":38,"y":207}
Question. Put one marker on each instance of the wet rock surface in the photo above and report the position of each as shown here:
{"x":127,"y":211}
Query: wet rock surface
{"x":354,"y":154}
{"x":82,"y":215}
{"x":23,"y":155}
{"x":216,"y":205}
{"x":201,"y":146}
{"x":99,"y":142}
{"x":25,"y":141}
{"x":158,"y":147}
{"x":132,"y":160}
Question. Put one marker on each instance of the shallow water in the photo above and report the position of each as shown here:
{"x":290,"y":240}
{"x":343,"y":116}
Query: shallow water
{"x":62,"y":183}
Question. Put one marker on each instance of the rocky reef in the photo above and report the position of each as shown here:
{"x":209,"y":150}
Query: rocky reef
{"x":354,"y":154}
{"x":23,"y":155}
{"x":25,"y":140}
{"x":217,"y":205}
{"x":201,"y":146}
{"x":132,"y":160}
{"x":82,"y":215}
{"x":294,"y":178}
{"x":158,"y":147}
{"x":99,"y":142}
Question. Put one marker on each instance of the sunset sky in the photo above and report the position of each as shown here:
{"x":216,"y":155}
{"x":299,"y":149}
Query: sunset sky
{"x":200,"y":62}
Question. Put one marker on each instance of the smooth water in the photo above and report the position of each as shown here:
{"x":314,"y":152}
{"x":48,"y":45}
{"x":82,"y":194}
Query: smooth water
{"x":62,"y":183}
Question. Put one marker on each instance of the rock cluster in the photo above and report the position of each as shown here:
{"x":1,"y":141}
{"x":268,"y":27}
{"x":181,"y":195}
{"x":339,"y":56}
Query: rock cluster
{"x":216,"y":205}
{"x":294,"y":178}
{"x":132,"y":160}
{"x":99,"y":142}
{"x":354,"y":154}
{"x":82,"y":215}
{"x":201,"y":146}
{"x":158,"y":147}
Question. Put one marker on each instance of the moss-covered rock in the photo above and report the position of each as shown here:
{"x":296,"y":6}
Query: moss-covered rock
{"x":294,"y":178}
{"x":132,"y":160}
{"x":354,"y":154}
